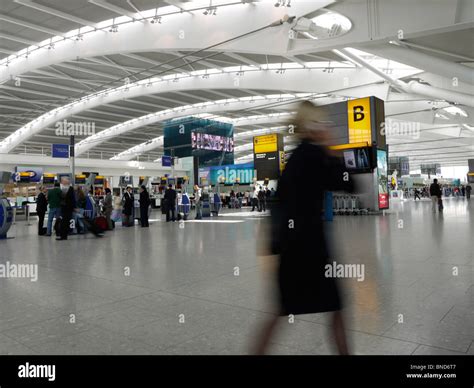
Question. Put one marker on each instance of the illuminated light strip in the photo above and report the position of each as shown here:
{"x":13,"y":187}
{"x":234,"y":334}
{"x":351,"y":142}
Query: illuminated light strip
{"x":348,"y":146}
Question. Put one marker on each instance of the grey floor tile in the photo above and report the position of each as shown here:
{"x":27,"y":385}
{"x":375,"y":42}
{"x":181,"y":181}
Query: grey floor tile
{"x":190,"y":272}
{"x":49,"y":330}
{"x":423,"y":350}
{"x":10,"y":347}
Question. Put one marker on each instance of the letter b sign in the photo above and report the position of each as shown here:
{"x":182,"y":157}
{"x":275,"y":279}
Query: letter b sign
{"x":358,"y":113}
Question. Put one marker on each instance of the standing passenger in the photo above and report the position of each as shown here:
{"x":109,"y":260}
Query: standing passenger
{"x":128,"y":201}
{"x":197,"y":201}
{"x":144,"y":206}
{"x":67,"y":208}
{"x":435,"y":193}
{"x":170,"y":199}
{"x":41,"y":207}
{"x":54,"y":201}
{"x":108,"y":207}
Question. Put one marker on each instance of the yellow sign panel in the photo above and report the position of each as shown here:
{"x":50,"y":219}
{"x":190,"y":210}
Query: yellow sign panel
{"x":282,"y":161}
{"x":265,"y":143}
{"x":359,"y":121}
{"x":348,"y":146}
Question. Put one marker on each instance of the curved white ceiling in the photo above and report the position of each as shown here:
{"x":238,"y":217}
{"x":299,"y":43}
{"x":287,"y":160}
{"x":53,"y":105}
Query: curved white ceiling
{"x":296,"y":80}
{"x":181,"y":31}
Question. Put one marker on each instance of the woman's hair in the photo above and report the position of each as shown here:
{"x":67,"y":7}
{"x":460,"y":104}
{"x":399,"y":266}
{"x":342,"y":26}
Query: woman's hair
{"x":307,"y":118}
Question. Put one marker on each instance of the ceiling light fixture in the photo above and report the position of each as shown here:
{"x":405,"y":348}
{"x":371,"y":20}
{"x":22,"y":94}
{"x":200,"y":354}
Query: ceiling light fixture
{"x":113,"y":27}
{"x":156,"y":18}
{"x":283,"y":3}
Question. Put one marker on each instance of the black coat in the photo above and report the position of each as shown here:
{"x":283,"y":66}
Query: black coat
{"x":144,"y":199}
{"x":68,"y":203}
{"x":170,"y":197}
{"x":435,"y":190}
{"x":41,"y":203}
{"x":299,"y":234}
{"x":128,"y":201}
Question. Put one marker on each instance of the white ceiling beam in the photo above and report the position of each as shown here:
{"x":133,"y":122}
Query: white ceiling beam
{"x":52,"y":11}
{"x":5,"y":51}
{"x":193,"y":96}
{"x":147,"y":37}
{"x":437,"y":51}
{"x":114,"y":8}
{"x":17,"y":39}
{"x":245,"y":60}
{"x":31,"y":26}
{"x":298,"y":80}
{"x":296,"y":60}
{"x":202,"y":61}
{"x":415,"y":87}
{"x":84,"y":70}
{"x":152,"y":62}
{"x":420,"y":60}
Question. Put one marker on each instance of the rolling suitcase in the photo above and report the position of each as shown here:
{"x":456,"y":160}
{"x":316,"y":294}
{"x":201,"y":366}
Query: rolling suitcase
{"x":101,"y":223}
{"x":92,"y":227}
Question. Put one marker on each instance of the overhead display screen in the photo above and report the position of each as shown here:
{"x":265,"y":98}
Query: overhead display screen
{"x":205,"y":141}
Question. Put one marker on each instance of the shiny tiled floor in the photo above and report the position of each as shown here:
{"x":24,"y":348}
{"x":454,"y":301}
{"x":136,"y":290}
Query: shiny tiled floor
{"x":203,"y":288}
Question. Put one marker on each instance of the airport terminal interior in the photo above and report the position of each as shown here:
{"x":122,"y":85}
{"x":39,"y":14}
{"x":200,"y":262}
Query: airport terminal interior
{"x":148,"y":147}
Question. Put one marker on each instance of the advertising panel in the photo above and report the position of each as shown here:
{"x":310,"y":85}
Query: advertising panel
{"x":28,"y":174}
{"x":357,"y":160}
{"x":229,"y":174}
{"x":382,"y":179}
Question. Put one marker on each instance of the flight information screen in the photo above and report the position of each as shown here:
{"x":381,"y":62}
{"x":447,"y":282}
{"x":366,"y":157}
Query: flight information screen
{"x":205,"y":141}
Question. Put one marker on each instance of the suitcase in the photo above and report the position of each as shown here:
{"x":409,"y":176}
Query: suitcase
{"x":92,"y":227}
{"x":101,"y":223}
